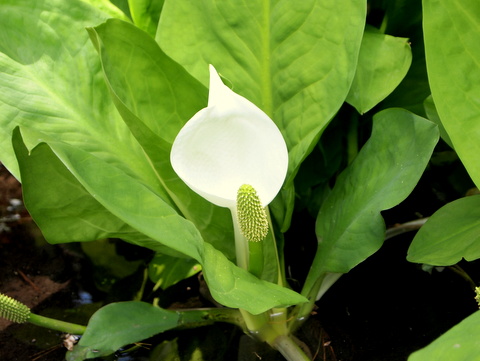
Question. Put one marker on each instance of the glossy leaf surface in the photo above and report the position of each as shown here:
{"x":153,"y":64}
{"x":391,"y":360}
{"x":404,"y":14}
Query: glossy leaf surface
{"x":155,"y":108}
{"x":120,"y":324}
{"x":451,"y":233}
{"x":452,"y":30}
{"x":349,"y":225}
{"x":50,"y":81}
{"x":382,"y":64}
{"x":139,"y":207}
{"x":294,"y":60}
{"x":457,"y":344}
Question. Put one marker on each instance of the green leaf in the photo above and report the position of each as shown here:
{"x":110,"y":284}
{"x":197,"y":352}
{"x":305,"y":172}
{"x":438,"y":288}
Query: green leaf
{"x":120,"y":324}
{"x":52,"y":86}
{"x":454,"y":72}
{"x":155,"y":107}
{"x":457,"y":344}
{"x":293,"y":59}
{"x":451,"y":233}
{"x":404,"y":18}
{"x":50,"y":81}
{"x":432,"y":115}
{"x":382,"y":64}
{"x":166,"y":271}
{"x":141,"y":208}
{"x":349,"y":225}
{"x":60,"y":205}
{"x":145,"y":14}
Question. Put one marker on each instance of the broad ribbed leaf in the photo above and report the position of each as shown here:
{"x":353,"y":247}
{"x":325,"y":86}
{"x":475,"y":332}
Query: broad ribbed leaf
{"x":293,"y":59}
{"x":60,"y":205}
{"x":50,"y":81}
{"x":141,"y":208}
{"x":155,"y":107}
{"x":452,"y":30}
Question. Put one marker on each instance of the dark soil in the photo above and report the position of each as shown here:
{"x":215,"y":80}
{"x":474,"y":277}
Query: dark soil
{"x":383,"y":310}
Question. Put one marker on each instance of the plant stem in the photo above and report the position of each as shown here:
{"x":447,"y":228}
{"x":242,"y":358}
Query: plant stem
{"x":56,"y":324}
{"x":289,"y":349}
{"x":203,"y":317}
{"x":281,"y":279}
{"x":241,"y":243}
{"x":405,"y":227}
{"x":461,"y":272}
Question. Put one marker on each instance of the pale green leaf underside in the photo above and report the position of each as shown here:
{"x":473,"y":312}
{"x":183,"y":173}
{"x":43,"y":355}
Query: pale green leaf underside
{"x":451,"y":233}
{"x":460,"y":343}
{"x":452,"y":30}
{"x":293,"y":59}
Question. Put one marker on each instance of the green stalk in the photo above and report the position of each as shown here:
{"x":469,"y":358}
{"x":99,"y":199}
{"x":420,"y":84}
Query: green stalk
{"x":281,"y":281}
{"x":16,"y":311}
{"x":289,"y":349}
{"x":302,"y":311}
{"x":203,"y":317}
{"x":255,"y":258}
{"x":241,"y":243}
{"x":56,"y":325}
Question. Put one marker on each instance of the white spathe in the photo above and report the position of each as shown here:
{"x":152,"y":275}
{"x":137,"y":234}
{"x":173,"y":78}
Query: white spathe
{"x":230,"y":143}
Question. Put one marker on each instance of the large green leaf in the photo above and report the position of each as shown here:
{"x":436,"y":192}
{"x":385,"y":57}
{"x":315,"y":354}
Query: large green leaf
{"x":60,"y":205}
{"x":50,"y":80}
{"x":141,"y":208}
{"x":66,"y":212}
{"x":120,"y":324}
{"x":452,"y":233}
{"x":349,"y":225}
{"x":123,"y":323}
{"x":452,"y":30}
{"x":460,"y":343}
{"x":155,"y":107}
{"x":294,"y":59}
{"x":382,"y":64}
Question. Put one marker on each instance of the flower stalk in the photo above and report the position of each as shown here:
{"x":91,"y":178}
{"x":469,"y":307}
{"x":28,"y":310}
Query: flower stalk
{"x":17,"y":312}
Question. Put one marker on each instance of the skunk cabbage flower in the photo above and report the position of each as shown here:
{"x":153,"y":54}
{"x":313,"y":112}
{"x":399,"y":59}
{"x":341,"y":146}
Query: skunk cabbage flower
{"x":232,"y":148}
{"x":230,"y":143}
